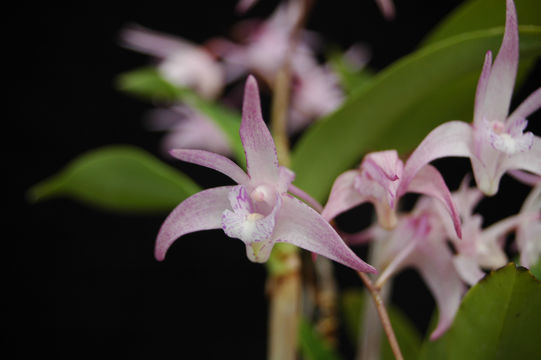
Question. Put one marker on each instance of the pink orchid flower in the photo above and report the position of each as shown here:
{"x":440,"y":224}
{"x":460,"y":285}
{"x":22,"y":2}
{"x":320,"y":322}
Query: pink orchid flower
{"x":189,"y":129}
{"x":258,"y":211}
{"x":419,"y":241}
{"x":495,"y":143}
{"x":181,"y":62}
{"x":379,"y":180}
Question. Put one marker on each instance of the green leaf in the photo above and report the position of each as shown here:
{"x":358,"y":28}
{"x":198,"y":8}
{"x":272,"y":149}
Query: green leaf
{"x":476,"y":15}
{"x":148,"y":83}
{"x":400,"y":105}
{"x":351,"y":79}
{"x":118,"y":178}
{"x":499,"y":318}
{"x":312,"y":345}
{"x":406,"y":334}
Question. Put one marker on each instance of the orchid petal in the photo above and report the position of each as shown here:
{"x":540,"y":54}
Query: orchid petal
{"x":504,"y":70}
{"x":152,"y":42}
{"x":305,"y":197}
{"x":435,"y":264}
{"x":453,"y":138}
{"x":480,"y":93}
{"x":300,"y":225}
{"x":213,"y":161}
{"x":525,"y":178}
{"x":261,"y":158}
{"x":343,"y":196}
{"x":468,"y":269}
{"x":429,"y":181}
{"x":527,"y":160}
{"x":387,"y":8}
{"x":201,"y":211}
{"x":527,"y":107}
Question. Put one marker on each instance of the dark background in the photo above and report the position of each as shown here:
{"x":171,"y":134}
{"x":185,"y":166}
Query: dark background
{"x":83,"y":283}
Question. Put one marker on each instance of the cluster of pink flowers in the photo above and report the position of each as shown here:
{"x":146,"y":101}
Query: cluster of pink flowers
{"x":266,"y":208}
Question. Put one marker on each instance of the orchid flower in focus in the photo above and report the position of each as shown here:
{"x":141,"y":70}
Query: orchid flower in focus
{"x":495,"y":143}
{"x":182,"y":63}
{"x":379,"y":180}
{"x":188,"y":128}
{"x":258,"y":211}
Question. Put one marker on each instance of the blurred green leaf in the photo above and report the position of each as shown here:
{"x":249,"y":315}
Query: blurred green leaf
{"x":118,"y":178}
{"x":406,"y":334}
{"x":499,"y":318}
{"x":312,"y":345}
{"x":148,"y":83}
{"x":398,"y":107}
{"x":476,"y":15}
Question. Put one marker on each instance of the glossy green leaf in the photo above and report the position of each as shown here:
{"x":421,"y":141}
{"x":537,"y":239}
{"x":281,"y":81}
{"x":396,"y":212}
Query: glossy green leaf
{"x":499,"y":318}
{"x":406,"y":334}
{"x":397,"y":108}
{"x":119,"y":178}
{"x":149,"y":84}
{"x":476,"y":15}
{"x":312,"y":345}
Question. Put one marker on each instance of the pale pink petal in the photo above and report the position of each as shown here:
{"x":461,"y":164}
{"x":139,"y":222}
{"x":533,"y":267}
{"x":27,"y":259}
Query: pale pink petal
{"x":452,"y":138}
{"x":435,"y":264}
{"x":482,"y":88}
{"x":429,"y":181}
{"x":528,"y":234}
{"x":525,"y":178}
{"x":468,"y":269}
{"x":214,"y":161}
{"x":201,"y":211}
{"x":305,"y":197}
{"x":244,"y":5}
{"x":528,"y":106}
{"x":261,"y":158}
{"x":151,"y":42}
{"x":300,"y":225}
{"x":504,"y":70}
{"x":387,"y":8}
{"x":528,"y":160}
{"x":343,"y":196}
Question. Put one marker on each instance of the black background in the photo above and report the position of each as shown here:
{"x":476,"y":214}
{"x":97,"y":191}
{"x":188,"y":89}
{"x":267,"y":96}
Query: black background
{"x":83,"y":283}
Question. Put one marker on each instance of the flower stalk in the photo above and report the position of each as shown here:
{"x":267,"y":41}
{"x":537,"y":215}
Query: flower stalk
{"x":382,"y":312}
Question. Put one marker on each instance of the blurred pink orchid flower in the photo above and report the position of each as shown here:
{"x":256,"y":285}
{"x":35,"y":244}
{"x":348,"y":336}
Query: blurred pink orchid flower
{"x":380,"y":180}
{"x":315,"y":92}
{"x":181,"y":62}
{"x":494,"y":142}
{"x":189,"y":129}
{"x":258,"y":211}
{"x":419,"y":241}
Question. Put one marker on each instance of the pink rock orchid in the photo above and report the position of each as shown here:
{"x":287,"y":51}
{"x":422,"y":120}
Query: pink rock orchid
{"x":379,"y":180}
{"x":495,"y":143}
{"x":387,"y":8}
{"x":419,"y":241}
{"x":258,"y":211}
{"x":189,"y":129}
{"x":181,"y":62}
